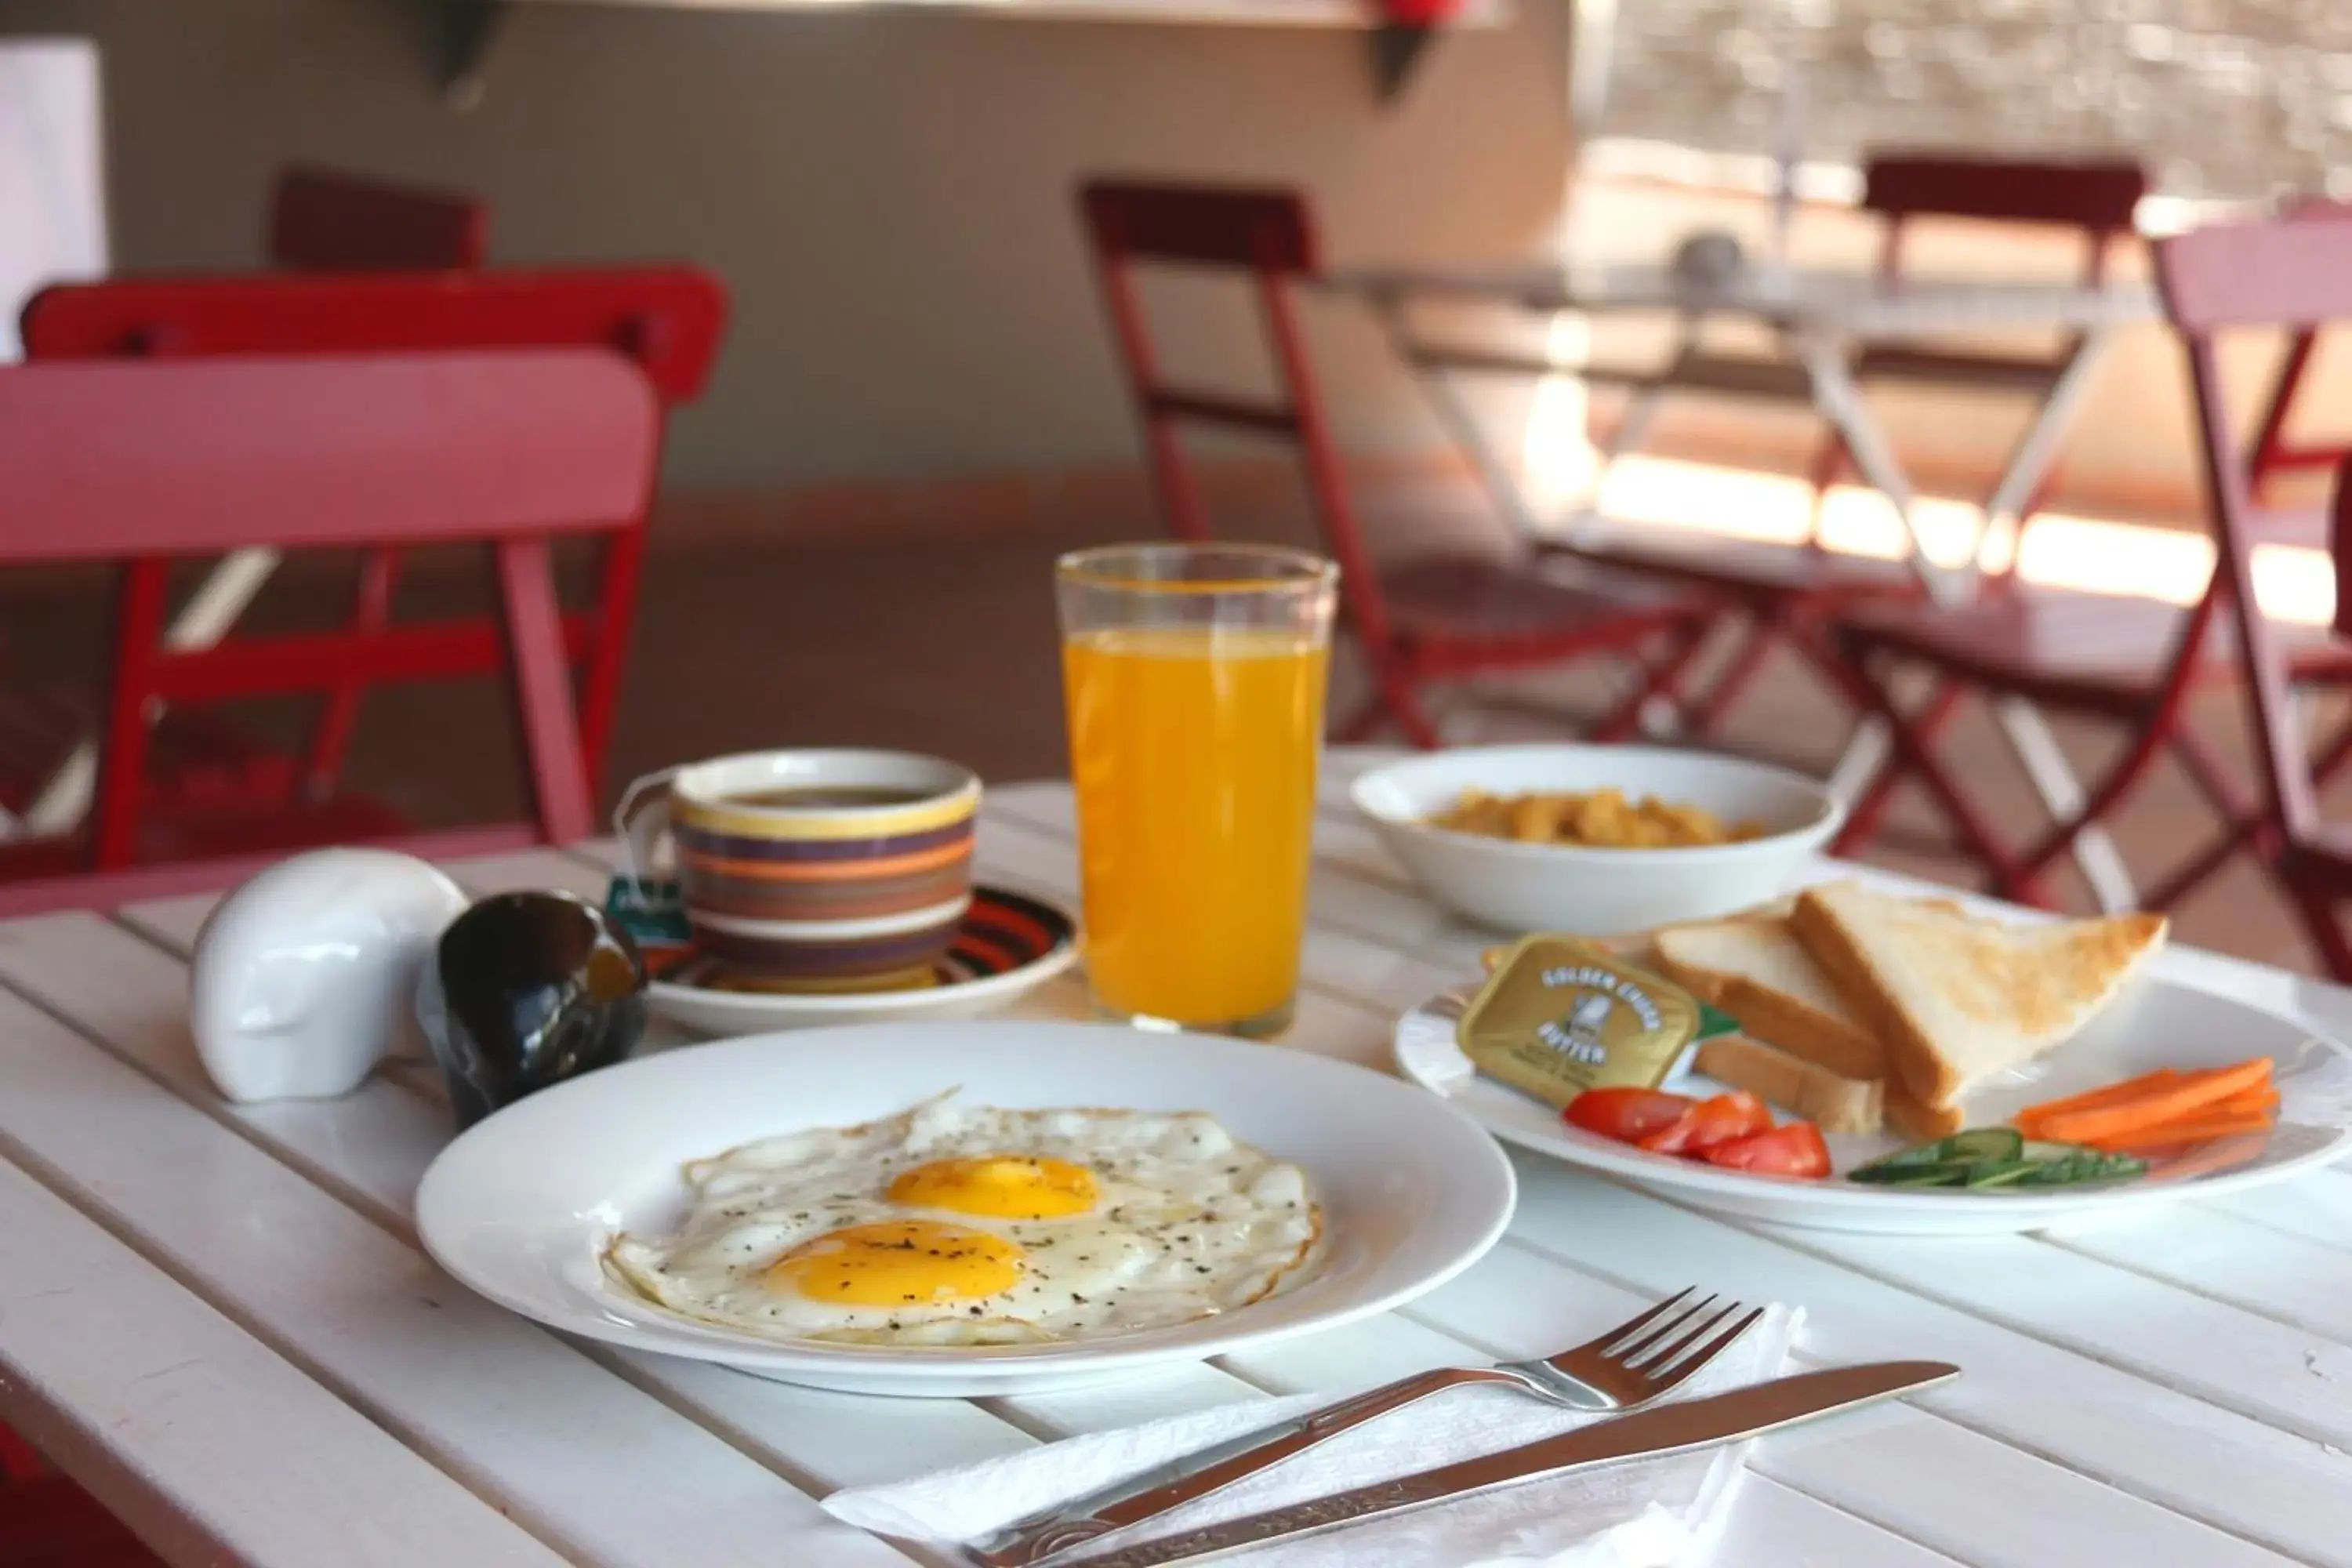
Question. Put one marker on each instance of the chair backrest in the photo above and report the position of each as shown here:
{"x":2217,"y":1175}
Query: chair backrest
{"x":2285,"y":760}
{"x":2269,"y":454}
{"x":2339,"y":547}
{"x":323,"y":220}
{"x":2275,"y":272}
{"x":1266,"y":234}
{"x":2293,"y":273}
{"x":147,"y":461}
{"x":668,"y":318}
{"x":1219,"y":225}
{"x":2098,"y":198}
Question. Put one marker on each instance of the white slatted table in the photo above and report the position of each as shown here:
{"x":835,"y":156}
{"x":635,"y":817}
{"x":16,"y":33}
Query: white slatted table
{"x":1823,"y":319}
{"x":219,"y":1320}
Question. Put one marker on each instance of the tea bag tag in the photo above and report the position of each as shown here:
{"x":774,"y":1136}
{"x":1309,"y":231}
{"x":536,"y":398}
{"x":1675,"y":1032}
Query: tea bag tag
{"x":652,"y":912}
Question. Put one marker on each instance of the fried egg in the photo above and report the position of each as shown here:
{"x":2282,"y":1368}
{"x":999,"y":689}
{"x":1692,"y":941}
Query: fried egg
{"x":956,"y":1224}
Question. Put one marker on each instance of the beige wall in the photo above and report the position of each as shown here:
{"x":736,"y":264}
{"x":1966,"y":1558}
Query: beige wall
{"x":888,"y":194}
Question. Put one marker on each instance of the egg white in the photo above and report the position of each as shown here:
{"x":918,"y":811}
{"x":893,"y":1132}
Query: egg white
{"x":1188,"y":1222}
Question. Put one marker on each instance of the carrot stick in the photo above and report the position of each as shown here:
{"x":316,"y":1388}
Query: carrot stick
{"x":2201,"y":1114}
{"x":2245,"y":1102}
{"x":2188,"y":1130}
{"x":2130,"y":1089}
{"x":2168,"y":1103}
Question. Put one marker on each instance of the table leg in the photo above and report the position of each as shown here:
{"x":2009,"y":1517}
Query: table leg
{"x":2030,"y":740}
{"x":1865,"y":753}
{"x":1661,"y":719}
{"x":2092,"y":851}
{"x":1453,"y":412}
{"x":1837,"y":400}
{"x":1632,"y":428}
{"x":2038,"y":448}
{"x":2029,"y":734}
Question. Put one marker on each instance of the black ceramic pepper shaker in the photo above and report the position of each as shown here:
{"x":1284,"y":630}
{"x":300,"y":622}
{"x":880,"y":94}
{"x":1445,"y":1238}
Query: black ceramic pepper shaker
{"x":526,"y":990}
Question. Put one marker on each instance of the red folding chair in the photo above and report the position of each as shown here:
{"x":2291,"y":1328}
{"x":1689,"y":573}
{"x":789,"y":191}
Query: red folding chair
{"x":2130,"y":661}
{"x":2274,"y":454}
{"x":1435,"y":617}
{"x":1786,"y":594}
{"x":669,"y":319}
{"x":53,"y":1524}
{"x":144,"y":463}
{"x":322,"y":220}
{"x":2310,"y":856}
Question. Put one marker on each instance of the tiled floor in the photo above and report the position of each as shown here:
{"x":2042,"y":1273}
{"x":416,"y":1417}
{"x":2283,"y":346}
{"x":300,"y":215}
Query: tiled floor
{"x":949,"y":646}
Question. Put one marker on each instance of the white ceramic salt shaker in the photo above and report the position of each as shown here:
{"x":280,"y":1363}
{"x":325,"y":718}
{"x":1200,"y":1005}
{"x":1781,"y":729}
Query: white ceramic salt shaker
{"x":304,"y":975}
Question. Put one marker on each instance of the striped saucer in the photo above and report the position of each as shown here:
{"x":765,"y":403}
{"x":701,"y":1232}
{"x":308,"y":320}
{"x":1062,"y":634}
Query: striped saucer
{"x":1008,"y":944}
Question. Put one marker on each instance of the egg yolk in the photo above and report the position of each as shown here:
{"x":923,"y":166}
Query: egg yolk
{"x":897,"y":1263}
{"x":1001,"y":1186}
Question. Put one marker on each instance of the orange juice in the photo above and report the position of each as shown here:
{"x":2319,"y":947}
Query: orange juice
{"x":1193,"y":751}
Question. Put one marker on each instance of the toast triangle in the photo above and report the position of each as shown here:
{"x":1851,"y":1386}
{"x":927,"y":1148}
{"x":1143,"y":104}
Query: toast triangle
{"x":1757,"y":971}
{"x":1957,"y":998}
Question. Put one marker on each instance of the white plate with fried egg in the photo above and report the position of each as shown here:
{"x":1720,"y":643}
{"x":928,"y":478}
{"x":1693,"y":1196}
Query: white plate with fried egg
{"x":962,"y":1209}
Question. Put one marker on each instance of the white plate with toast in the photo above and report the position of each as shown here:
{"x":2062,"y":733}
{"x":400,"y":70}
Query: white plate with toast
{"x":1971,"y":1021}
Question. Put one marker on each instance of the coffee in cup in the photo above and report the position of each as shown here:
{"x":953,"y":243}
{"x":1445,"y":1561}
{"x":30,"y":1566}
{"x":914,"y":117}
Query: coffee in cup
{"x":808,"y":867}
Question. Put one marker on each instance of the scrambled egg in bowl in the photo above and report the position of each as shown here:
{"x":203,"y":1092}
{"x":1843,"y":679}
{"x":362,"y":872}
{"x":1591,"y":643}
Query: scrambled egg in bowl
{"x":955,"y":1225}
{"x":1602,"y":819}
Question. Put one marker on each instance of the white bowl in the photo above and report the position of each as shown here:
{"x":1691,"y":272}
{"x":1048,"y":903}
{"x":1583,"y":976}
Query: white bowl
{"x":521,"y":1206}
{"x":1598,"y":892}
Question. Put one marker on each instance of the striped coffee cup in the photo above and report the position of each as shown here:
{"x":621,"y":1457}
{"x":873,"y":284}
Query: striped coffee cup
{"x":814,"y":865}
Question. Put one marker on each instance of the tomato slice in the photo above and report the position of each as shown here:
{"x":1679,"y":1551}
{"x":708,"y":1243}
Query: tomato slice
{"x":1795,"y":1150}
{"x":1720,"y":1120}
{"x":1628,"y":1115}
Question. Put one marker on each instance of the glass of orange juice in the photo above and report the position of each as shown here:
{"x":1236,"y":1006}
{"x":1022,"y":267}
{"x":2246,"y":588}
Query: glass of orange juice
{"x":1194,"y":675}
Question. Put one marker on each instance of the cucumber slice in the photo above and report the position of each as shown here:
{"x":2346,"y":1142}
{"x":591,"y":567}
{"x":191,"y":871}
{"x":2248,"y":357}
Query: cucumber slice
{"x":1986,"y":1174}
{"x":1934,"y":1176}
{"x":1945,"y":1173}
{"x":2004,"y":1144}
{"x":1918,"y":1157}
{"x":1989,"y":1158}
{"x":2082,"y":1165}
{"x":1961,"y":1149}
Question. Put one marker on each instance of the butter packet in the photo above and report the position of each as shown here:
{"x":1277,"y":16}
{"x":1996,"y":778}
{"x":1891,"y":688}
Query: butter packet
{"x":1558,"y":1016}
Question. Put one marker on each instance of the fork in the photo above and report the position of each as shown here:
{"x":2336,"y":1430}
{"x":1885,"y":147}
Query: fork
{"x":1621,"y":1369}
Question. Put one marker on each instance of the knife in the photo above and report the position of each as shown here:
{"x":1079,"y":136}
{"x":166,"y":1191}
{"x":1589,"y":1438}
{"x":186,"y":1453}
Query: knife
{"x":1674,"y":1428}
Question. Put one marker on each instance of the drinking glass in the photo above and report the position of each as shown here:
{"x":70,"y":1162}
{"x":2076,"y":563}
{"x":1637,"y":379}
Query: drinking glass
{"x":1195,"y":676}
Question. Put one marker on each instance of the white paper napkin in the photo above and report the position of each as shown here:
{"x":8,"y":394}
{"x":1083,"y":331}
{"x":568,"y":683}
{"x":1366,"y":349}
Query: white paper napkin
{"x":1657,"y":1513}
